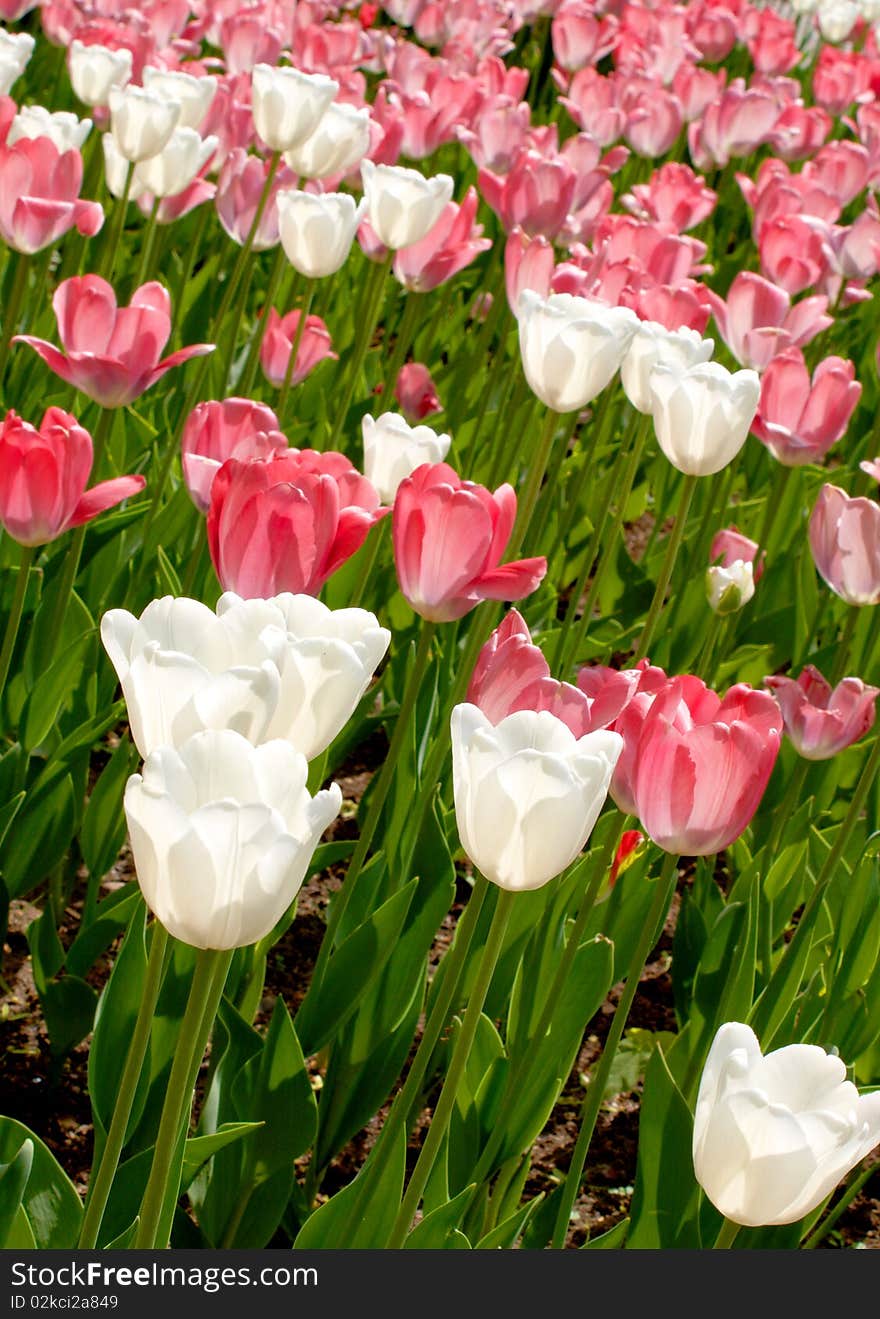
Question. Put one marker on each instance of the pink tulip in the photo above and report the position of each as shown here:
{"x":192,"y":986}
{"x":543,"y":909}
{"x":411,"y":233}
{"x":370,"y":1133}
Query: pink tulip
{"x":579,"y":37}
{"x":449,"y":538}
{"x":845,"y":540}
{"x":799,"y":420}
{"x":430,"y":117}
{"x":799,"y":131}
{"x":43,"y":478}
{"x":497,"y":134}
{"x":614,"y":693}
{"x":528,"y":264}
{"x":674,"y":197}
{"x":841,"y":169}
{"x":734,"y":125}
{"x":416,"y":392}
{"x":757,"y":320}
{"x":593,"y":105}
{"x":453,"y":243}
{"x":702,"y":764}
{"x":239,"y":189}
{"x":713,"y":30}
{"x":277,"y":345}
{"x":730,"y":546}
{"x":214,"y":431}
{"x":840,"y":77}
{"x":697,"y":89}
{"x":676,"y":306}
{"x":537,"y":194}
{"x":287,"y":523}
{"x":112,"y":352}
{"x":39,"y":195}
{"x":871,"y":467}
{"x":653,"y":122}
{"x":512,"y":674}
{"x":771,"y":42}
{"x":819,"y":721}
{"x":793,"y":253}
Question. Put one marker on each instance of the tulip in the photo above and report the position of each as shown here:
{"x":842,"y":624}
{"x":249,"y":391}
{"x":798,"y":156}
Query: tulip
{"x":536,"y":195}
{"x":96,"y":70}
{"x":837,"y":18}
{"x":652,"y":344}
{"x":112,"y":352}
{"x":571,"y":347}
{"x":871,"y":467}
{"x":528,"y":264}
{"x":774,"y":1135}
{"x":702,"y":763}
{"x":240,"y":187}
{"x":43,"y":478}
{"x":193,"y":95}
{"x":416,"y":392}
{"x":214,"y":431}
{"x":758,"y":321}
{"x":729,"y":586}
{"x":735,"y":124}
{"x":822,"y":721}
{"x":16,"y":49}
{"x":39,"y":195}
{"x":340,"y":141}
{"x":402,"y":205}
{"x":141,"y":122}
{"x":611,"y":693}
{"x":287,"y":523}
{"x":674,"y":196}
{"x":286,"y":668}
{"x":702,"y":414}
{"x":64,"y":129}
{"x":277,"y":345}
{"x":799,"y":420}
{"x":845,"y":540}
{"x":288,"y":105}
{"x":172,"y":170}
{"x":449,"y":537}
{"x":497,"y":134}
{"x":317,"y":230}
{"x":451,"y":244}
{"x":527,"y":792}
{"x":629,"y":849}
{"x":393,"y":450}
{"x":222,"y":834}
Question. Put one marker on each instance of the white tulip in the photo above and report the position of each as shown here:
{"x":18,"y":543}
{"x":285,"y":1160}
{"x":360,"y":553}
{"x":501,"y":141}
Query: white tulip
{"x":571,"y":347}
{"x":283,"y":668}
{"x":116,"y":169}
{"x":61,"y":127}
{"x":837,"y":18}
{"x":140,"y":122}
{"x":16,"y":49}
{"x":173,"y":168}
{"x":728,"y":589}
{"x":393,"y":450}
{"x":95,"y":70}
{"x":773,"y":1136}
{"x":403,"y":205}
{"x":194,"y":95}
{"x":340,"y":142}
{"x":288,"y":105}
{"x":702,"y":414}
{"x":652,"y":344}
{"x":527,"y":792}
{"x":222,"y":834}
{"x":317,"y":230}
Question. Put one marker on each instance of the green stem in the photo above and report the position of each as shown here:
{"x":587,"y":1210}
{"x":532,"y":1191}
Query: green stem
{"x":446,"y":1103}
{"x":12,"y":309}
{"x":305,"y":312}
{"x":488,"y":393}
{"x":665,"y":887}
{"x":108,"y":264}
{"x":675,"y":539}
{"x":500,"y":444}
{"x":279,"y":265}
{"x":372,"y":305}
{"x":149,"y":245}
{"x":189,"y":262}
{"x":378,"y":795}
{"x":204,"y":996}
{"x":849,"y":1194}
{"x":532,"y":488}
{"x":550,"y":501}
{"x":102,"y":1179}
{"x":406,"y":331}
{"x":728,"y":1234}
{"x":844,"y":645}
{"x":777,"y":491}
{"x":781,"y":818}
{"x":14,"y":620}
{"x":368,"y":568}
{"x":706,"y":664}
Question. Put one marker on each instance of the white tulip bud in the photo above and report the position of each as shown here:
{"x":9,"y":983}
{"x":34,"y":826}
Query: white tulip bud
{"x":95,"y":70}
{"x":652,"y":344}
{"x":317,"y":230}
{"x":340,"y":142}
{"x":393,"y":450}
{"x":403,"y":205}
{"x":222,"y":834}
{"x":194,"y":95}
{"x":61,"y":127}
{"x":571,"y":347}
{"x":140,"y":122}
{"x":774,"y":1135}
{"x":728,"y":589}
{"x":288,"y":105}
{"x":702,"y":414}
{"x":527,"y":792}
{"x":177,"y":164}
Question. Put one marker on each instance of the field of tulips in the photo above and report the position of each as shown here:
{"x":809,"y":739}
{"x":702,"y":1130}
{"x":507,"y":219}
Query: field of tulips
{"x":439,"y":644}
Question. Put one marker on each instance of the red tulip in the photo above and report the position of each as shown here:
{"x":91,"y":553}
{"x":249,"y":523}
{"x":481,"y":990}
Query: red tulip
{"x":819,"y":721}
{"x":449,"y":537}
{"x":43,"y":477}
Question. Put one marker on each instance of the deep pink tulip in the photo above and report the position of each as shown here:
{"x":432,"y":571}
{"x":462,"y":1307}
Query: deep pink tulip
{"x":287,"y":523}
{"x":214,"y":431}
{"x":702,"y":764}
{"x":113,"y":352}
{"x":537,"y":194}
{"x":821,"y":721}
{"x":277,"y":345}
{"x":416,"y":392}
{"x":512,"y":674}
{"x":674,"y":196}
{"x":613,"y":694}
{"x":799,"y":419}
{"x":449,"y":538}
{"x":528,"y":264}
{"x":453,"y":243}
{"x":734,"y":125}
{"x":43,"y":478}
{"x":730,"y":546}
{"x":757,"y":319}
{"x":840,"y":77}
{"x":845,"y":540}
{"x":793,"y":253}
{"x":39,"y":195}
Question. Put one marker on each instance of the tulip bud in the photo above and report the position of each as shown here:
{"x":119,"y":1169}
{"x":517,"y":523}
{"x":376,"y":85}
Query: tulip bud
{"x":402,"y":205}
{"x":340,"y":142}
{"x":728,"y":589}
{"x":140,"y":122}
{"x":774,"y":1135}
{"x":702,"y":414}
{"x":96,"y":70}
{"x":64,"y":129}
{"x":527,"y":792}
{"x":193,"y":95}
{"x":288,"y":105}
{"x":571,"y":347}
{"x":652,"y":344}
{"x":629,"y":849}
{"x":393,"y":450}
{"x":317,"y":230}
{"x":222,"y":835}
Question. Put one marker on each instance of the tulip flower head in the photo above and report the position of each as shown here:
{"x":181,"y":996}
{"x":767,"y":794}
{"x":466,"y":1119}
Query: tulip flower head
{"x":416,"y":392}
{"x":340,"y":141}
{"x":317,"y":230}
{"x":819,"y":720}
{"x":652,"y":344}
{"x":774,"y":1134}
{"x":402,"y":204}
{"x":214,"y":431}
{"x":288,"y":105}
{"x":799,"y":419}
{"x":702,"y":414}
{"x":730,"y":584}
{"x":571,"y":347}
{"x":95,"y":70}
{"x":39,"y":194}
{"x":279,"y":337}
{"x":845,"y":540}
{"x":527,"y":792}
{"x":393,"y":449}
{"x":141,"y":122}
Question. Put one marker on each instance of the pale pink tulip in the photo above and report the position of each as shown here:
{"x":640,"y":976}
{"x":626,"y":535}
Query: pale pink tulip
{"x":757,"y":319}
{"x":845,"y":540}
{"x":314,"y":346}
{"x":799,"y":419}
{"x":39,"y":195}
{"x":528,"y":264}
{"x":453,"y":243}
{"x":820,"y":721}
{"x":214,"y":431}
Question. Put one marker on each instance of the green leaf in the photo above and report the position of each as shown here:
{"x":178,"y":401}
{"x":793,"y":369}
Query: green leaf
{"x":114,"y":1022}
{"x":613,"y":1239}
{"x":50,"y":1210}
{"x":439,"y":1229}
{"x":103,"y":827}
{"x":69,"y":1011}
{"x":13,"y":1181}
{"x":199,"y":1149}
{"x":504,"y":1236}
{"x":361,"y":1216}
{"x":665,"y":1204}
{"x":53,"y":689}
{"x":168,"y":578}
{"x":8,"y":814}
